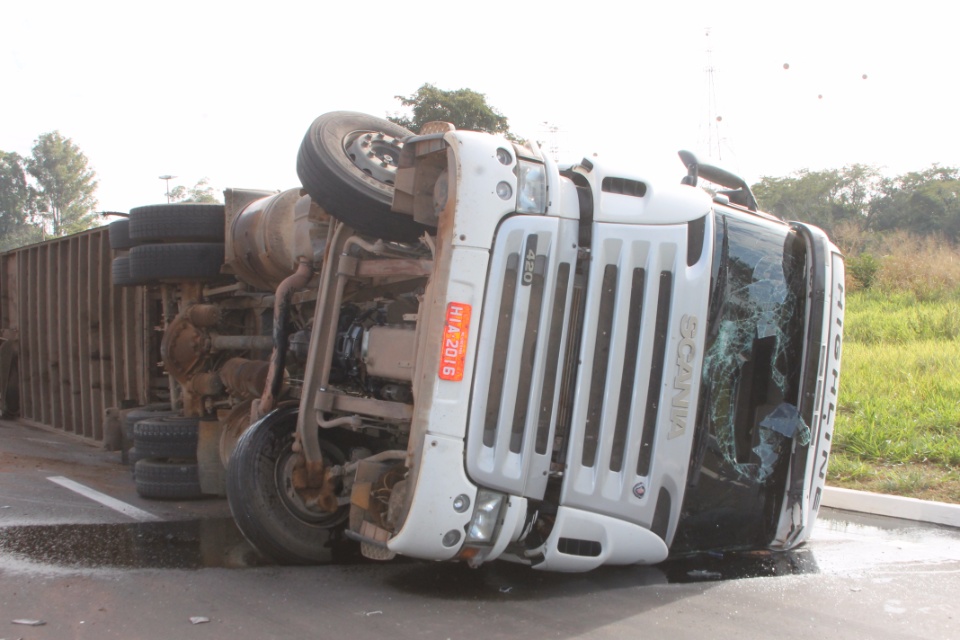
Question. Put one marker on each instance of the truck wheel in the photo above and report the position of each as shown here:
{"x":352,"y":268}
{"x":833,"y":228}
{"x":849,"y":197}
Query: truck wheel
{"x":120,"y":235}
{"x":263,"y":501}
{"x":347,"y":163}
{"x":166,"y":437}
{"x":182,"y":222}
{"x":165,"y":480}
{"x":130,"y":457}
{"x":120,"y":273}
{"x":176,"y":262}
{"x":132,"y":417}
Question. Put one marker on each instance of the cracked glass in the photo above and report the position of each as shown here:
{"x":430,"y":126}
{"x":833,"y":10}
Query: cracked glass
{"x":747,"y":417}
{"x":751,"y":362}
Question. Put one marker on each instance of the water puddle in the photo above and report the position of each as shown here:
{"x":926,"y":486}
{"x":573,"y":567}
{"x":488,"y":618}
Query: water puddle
{"x":189,"y":544}
{"x":842,"y":543}
{"x":847,"y":542}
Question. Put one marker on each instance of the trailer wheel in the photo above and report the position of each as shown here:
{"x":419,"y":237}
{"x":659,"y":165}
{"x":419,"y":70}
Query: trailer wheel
{"x":263,"y":501}
{"x":132,"y":417}
{"x":181,"y":222}
{"x":176,"y":262}
{"x":120,"y":235}
{"x":154,"y":410}
{"x":130,"y":457}
{"x":167,"y":480}
{"x":120,"y":271}
{"x":166,"y":437}
{"x":347,"y":163}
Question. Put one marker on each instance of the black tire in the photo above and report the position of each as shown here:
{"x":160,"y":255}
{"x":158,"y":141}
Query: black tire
{"x":176,"y":262}
{"x":166,"y":437}
{"x":120,"y":235}
{"x":182,"y":222}
{"x":132,"y":417}
{"x":262,"y":499}
{"x":130,"y":457}
{"x":163,"y":480}
{"x":120,"y":273}
{"x":350,"y":185}
{"x":154,"y":410}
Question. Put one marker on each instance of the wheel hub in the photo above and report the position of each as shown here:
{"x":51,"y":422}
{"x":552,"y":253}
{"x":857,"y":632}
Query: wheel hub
{"x":302,"y":502}
{"x":374,"y":153}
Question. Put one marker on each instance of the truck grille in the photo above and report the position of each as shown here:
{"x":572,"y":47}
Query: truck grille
{"x":606,"y":402}
{"x":518,"y":377}
{"x":631,"y":406}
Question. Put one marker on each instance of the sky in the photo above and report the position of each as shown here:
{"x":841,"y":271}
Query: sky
{"x":226,"y":91}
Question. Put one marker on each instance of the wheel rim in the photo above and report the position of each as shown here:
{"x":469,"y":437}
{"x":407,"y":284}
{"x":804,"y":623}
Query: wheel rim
{"x":374,"y":153}
{"x":291,"y":498}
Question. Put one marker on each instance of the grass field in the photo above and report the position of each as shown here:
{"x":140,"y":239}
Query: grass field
{"x":898,"y":428}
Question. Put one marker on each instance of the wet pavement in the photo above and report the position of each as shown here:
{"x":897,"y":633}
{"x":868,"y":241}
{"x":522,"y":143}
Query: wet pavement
{"x":842,"y":542}
{"x":43,"y":523}
{"x":89,"y":571}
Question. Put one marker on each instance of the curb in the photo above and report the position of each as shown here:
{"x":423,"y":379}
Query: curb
{"x":892,"y":506}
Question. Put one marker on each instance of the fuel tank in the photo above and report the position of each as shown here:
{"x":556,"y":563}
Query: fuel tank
{"x":271,"y":233}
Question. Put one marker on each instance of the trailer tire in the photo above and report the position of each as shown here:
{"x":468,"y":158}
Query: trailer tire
{"x":181,"y":222}
{"x":167,"y":480}
{"x":263,"y":502}
{"x":188,"y":261}
{"x":355,"y":187}
{"x":132,"y":417}
{"x":166,"y":437}
{"x":130,"y":457}
{"x":119,"y":232}
{"x":120,"y":272}
{"x":153,"y":410}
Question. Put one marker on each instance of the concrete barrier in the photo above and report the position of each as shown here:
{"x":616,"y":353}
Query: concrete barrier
{"x":893,"y":506}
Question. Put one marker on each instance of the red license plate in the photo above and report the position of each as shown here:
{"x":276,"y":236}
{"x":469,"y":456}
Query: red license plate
{"x":454,"y":350}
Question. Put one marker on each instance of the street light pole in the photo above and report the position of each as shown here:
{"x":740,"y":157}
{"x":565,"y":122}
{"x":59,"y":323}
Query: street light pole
{"x":168,"y":178}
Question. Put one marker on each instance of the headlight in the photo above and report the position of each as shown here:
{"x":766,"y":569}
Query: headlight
{"x":486,"y":517}
{"x":531,"y":187}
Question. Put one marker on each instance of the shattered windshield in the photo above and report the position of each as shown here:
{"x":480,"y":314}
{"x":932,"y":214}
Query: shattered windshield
{"x":747,"y":418}
{"x":751,"y":363}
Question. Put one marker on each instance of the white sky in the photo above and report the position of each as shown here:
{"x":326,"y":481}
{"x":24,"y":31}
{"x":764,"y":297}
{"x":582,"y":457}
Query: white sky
{"x":227,"y":90}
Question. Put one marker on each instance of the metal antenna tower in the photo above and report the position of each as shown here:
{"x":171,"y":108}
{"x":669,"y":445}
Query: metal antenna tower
{"x":713,"y":117}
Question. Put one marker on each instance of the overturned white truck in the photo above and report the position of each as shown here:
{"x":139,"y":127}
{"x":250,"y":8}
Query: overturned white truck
{"x":468,"y":352}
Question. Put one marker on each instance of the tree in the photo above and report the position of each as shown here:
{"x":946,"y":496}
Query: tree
{"x":66,"y":185}
{"x":18,"y":204}
{"x":464,"y":108}
{"x":824,"y":198}
{"x":921,"y":202}
{"x":200,"y":192}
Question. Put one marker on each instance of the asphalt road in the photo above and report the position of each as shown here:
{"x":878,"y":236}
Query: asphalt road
{"x":87,"y":570}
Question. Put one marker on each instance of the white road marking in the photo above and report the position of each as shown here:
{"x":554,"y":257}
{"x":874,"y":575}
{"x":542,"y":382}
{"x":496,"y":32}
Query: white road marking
{"x":104,"y":499}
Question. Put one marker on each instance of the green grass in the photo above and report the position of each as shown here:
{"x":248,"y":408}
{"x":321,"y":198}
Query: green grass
{"x":898,"y":427}
{"x":897,"y":318}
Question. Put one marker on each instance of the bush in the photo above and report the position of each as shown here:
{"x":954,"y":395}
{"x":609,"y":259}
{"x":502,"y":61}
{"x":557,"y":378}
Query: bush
{"x":928,"y":267}
{"x":863,"y":270}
